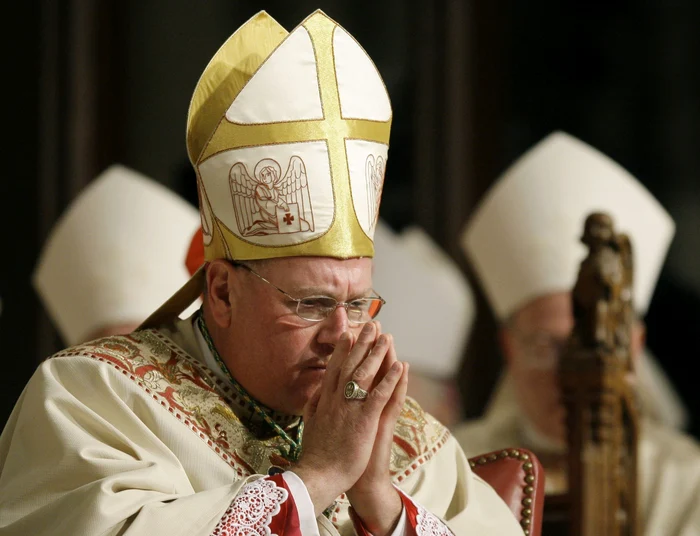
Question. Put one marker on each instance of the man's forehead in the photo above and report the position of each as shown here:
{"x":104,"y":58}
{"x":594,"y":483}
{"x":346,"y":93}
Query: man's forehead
{"x":551,"y":312}
{"x":322,"y":274}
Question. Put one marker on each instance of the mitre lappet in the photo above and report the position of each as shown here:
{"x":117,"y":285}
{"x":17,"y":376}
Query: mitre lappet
{"x":288,"y":133}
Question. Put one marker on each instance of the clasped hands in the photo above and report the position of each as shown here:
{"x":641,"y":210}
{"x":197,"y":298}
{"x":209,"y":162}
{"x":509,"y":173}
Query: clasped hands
{"x":347,"y":443}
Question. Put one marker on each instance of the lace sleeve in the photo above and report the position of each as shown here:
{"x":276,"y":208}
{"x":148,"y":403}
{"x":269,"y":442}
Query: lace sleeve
{"x":272,"y":506}
{"x":423,"y":522}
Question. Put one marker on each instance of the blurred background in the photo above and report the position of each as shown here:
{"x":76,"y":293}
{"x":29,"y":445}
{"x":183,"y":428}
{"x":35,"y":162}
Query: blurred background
{"x":473,"y":85}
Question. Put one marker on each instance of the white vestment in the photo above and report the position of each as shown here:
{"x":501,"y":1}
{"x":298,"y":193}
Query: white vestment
{"x":669,"y":463}
{"x":135,"y":435}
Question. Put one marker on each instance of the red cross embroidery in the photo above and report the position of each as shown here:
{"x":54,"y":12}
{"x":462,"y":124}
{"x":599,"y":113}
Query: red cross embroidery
{"x":288,"y":218}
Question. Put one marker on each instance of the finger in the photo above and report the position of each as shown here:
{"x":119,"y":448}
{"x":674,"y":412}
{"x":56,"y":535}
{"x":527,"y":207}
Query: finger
{"x":398,"y":398}
{"x":378,"y":333}
{"x":392,"y":350}
{"x":385,"y":433}
{"x":393,"y":408}
{"x":389,"y":360}
{"x":366,"y":372}
{"x":381,"y":394}
{"x":340,"y":352}
{"x":359,"y":350}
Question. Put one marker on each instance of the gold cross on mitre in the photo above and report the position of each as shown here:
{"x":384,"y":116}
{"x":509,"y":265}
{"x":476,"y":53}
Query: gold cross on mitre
{"x":288,"y":134}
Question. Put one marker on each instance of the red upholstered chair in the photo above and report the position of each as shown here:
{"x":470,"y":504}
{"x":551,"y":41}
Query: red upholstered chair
{"x":518,"y":477}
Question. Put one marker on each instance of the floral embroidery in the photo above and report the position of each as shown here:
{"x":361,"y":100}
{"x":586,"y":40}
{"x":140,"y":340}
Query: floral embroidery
{"x":429,"y":524}
{"x":189,"y":392}
{"x":251,"y":512}
{"x":417,"y":437}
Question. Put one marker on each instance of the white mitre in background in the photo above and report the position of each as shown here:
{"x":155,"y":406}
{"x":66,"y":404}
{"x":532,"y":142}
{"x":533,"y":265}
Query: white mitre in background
{"x":115,"y":254}
{"x":430,"y":307}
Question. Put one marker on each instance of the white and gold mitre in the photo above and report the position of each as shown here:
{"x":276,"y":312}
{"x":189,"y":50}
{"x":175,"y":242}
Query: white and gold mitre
{"x":524,"y":237}
{"x":288,"y":134}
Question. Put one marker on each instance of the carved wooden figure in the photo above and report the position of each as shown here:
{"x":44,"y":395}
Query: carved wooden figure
{"x":602,"y":417}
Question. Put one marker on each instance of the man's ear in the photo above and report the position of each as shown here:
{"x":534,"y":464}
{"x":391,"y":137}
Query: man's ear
{"x":219,"y":282}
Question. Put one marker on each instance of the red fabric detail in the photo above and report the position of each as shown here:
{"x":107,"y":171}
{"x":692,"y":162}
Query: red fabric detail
{"x":265,"y":507}
{"x":360,"y":529}
{"x":195,"y":254}
{"x":422,"y":522}
{"x":287,"y":521}
{"x":411,"y":514}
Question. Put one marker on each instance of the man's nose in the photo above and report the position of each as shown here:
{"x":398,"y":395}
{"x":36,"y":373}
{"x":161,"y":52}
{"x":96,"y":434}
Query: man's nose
{"x":334,"y":326}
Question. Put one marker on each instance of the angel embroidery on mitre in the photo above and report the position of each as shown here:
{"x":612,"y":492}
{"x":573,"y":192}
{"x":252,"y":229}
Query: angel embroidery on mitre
{"x":205,"y":214}
{"x":374,"y":174}
{"x":269,"y":202}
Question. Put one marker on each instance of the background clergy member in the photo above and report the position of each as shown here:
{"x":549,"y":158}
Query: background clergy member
{"x":524,"y":241}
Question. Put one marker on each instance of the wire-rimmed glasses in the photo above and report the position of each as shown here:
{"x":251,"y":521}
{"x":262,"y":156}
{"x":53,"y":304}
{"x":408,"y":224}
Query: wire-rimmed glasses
{"x":318,"y":308}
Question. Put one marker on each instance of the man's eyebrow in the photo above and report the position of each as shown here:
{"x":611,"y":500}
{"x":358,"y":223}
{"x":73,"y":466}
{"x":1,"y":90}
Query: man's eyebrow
{"x":304,"y":292}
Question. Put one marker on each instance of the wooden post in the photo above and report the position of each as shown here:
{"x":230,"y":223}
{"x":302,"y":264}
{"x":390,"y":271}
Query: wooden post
{"x":602,"y":417}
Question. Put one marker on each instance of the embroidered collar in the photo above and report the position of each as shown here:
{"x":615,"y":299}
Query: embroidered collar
{"x":243,"y":410}
{"x":261,"y":420}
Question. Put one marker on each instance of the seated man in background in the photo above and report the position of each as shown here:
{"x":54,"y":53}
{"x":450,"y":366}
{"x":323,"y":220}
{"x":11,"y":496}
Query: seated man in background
{"x":110,"y":259}
{"x":524,"y":243}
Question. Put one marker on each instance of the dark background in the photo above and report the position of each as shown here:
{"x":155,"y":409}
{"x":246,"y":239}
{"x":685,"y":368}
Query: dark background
{"x":473,"y":85}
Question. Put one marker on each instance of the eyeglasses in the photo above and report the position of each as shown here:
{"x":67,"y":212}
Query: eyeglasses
{"x":318,"y":308}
